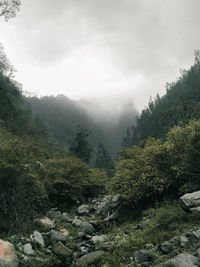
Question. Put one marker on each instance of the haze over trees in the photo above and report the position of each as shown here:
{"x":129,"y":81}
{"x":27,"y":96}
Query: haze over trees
{"x":9,"y":8}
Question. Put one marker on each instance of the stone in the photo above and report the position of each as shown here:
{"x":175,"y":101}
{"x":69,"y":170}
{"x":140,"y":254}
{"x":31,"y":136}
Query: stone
{"x":64,"y":232}
{"x":77,"y":222}
{"x":106,"y":245}
{"x":37,"y":237}
{"x":46,"y":223}
{"x":61,"y":249}
{"x":8,"y":256}
{"x":56,"y":236}
{"x":197,"y":233}
{"x":86,"y":228}
{"x":98,"y":238}
{"x":90,"y":258}
{"x":95,"y":223}
{"x":83,"y":209}
{"x":184,"y":241}
{"x":181,"y":260}
{"x":54,"y":214}
{"x":66,"y":217}
{"x":166,"y":247}
{"x":191,"y":200}
{"x":28,"y":250}
{"x":143,"y":256}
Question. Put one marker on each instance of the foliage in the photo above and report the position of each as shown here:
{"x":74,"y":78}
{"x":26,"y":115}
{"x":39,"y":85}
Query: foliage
{"x":104,"y":160}
{"x":8,"y":8}
{"x":157,"y":170}
{"x":22,"y":190}
{"x":80,"y":146}
{"x":181,"y":103}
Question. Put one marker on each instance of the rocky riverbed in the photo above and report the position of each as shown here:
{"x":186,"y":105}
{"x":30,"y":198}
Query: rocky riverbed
{"x":83,"y":239}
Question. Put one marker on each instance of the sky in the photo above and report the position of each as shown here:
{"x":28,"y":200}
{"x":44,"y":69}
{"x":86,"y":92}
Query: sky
{"x":109,"y":51}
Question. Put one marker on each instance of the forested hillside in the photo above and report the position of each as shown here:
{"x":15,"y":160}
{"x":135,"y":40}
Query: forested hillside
{"x":62,"y":116}
{"x":181,"y":103}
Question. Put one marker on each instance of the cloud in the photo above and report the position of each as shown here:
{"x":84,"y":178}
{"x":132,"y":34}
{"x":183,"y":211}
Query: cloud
{"x":150,"y":39}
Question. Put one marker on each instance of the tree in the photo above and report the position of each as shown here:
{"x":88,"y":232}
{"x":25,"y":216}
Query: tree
{"x":8,"y":8}
{"x":104,"y":160}
{"x":80,"y":146}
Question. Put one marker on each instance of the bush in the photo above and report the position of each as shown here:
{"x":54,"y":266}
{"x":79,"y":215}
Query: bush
{"x":156,"y":170}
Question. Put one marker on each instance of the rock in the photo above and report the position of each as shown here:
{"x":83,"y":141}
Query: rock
{"x":86,"y":228}
{"x":90,"y":258}
{"x":197,"y":233}
{"x":27,"y":248}
{"x":184,"y":241}
{"x":64,"y":232}
{"x":37,"y":237}
{"x":190,"y":200}
{"x":143,"y":256}
{"x":56,"y":236}
{"x":166,"y":247}
{"x":195,"y":210}
{"x":182,"y":260}
{"x":95,"y":223}
{"x":106,"y":245}
{"x":54,"y":214}
{"x":77,"y":222}
{"x":46,"y":223}
{"x":67,"y":217}
{"x":98,"y":238}
{"x":60,"y":249}
{"x":83,"y":209}
{"x":8,"y":256}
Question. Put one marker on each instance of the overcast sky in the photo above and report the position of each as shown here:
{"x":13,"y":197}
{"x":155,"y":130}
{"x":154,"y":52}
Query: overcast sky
{"x":110,"y":50}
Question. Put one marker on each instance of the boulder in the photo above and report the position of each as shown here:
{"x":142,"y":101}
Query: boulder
{"x":37,"y":237}
{"x":27,"y":249}
{"x":190,"y":200}
{"x":66,"y":217}
{"x":195,"y":210}
{"x":54,"y":214}
{"x":90,"y":258}
{"x":61,"y":249}
{"x":46,"y":223}
{"x":166,"y":247}
{"x":182,"y":260}
{"x":77,"y":222}
{"x":86,"y":228}
{"x":98,"y":238}
{"x":56,"y":237}
{"x":8,"y":256}
{"x":64,"y":231}
{"x":83,"y":209}
{"x":143,"y":256}
{"x":184,"y":241}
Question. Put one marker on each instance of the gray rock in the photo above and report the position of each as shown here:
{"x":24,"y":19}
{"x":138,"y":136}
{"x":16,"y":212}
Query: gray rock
{"x":37,"y":237}
{"x":143,"y":256}
{"x":83,"y":209}
{"x":8,"y":256}
{"x":54,"y":214}
{"x":184,"y":241}
{"x":28,"y":250}
{"x":195,"y":210}
{"x":191,"y":200}
{"x":166,"y":247}
{"x":90,"y":258}
{"x":106,"y":246}
{"x":61,"y":249}
{"x":86,"y":228}
{"x":116,"y":198}
{"x":182,"y":260}
{"x":197,"y":233}
{"x":56,"y":237}
{"x":98,"y":238}
{"x":77,"y":222}
{"x":46,"y":223}
{"x":66,"y":217}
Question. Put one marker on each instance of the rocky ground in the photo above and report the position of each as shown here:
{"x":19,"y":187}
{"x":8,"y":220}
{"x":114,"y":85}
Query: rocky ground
{"x":84,"y":239}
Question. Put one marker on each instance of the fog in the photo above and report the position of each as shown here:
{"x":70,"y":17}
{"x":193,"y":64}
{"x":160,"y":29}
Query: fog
{"x":109,"y":51}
